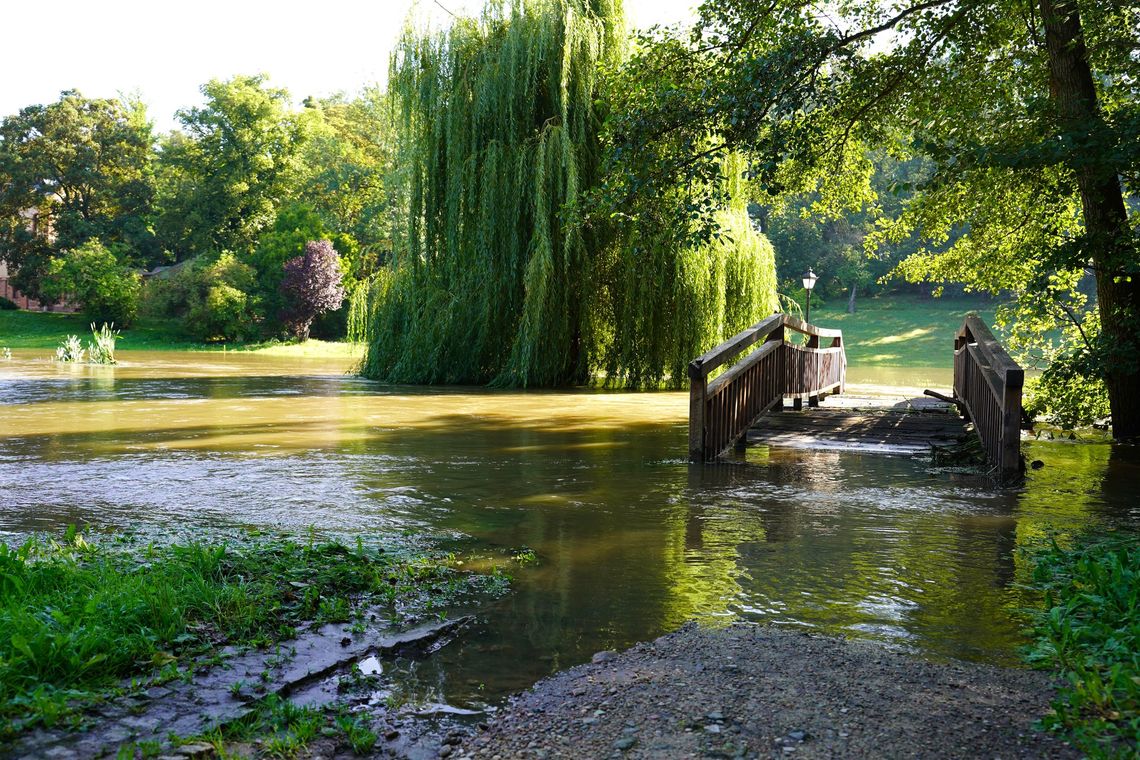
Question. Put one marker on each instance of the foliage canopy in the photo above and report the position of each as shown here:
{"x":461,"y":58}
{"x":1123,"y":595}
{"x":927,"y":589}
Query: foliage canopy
{"x":1026,"y":113}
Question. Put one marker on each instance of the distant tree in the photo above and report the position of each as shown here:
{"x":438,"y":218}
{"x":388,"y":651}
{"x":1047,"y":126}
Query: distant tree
{"x":233,"y":165}
{"x":808,"y":234}
{"x":83,"y":169}
{"x":92,"y":275}
{"x":347,"y":162}
{"x":311,"y":286}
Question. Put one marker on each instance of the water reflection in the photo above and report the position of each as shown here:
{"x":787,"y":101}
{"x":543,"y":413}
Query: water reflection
{"x":631,"y":539}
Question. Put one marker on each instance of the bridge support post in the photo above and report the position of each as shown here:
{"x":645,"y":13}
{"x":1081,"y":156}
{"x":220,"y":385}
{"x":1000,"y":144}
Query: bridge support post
{"x":698,"y":389}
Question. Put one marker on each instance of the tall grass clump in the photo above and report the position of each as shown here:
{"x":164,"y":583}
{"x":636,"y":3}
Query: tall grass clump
{"x":498,"y":277}
{"x":1090,"y":629}
{"x":70,"y":349}
{"x":100,"y":349}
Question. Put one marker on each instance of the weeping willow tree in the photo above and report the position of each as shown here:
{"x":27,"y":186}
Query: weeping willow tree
{"x":495,"y":280}
{"x":672,"y":303}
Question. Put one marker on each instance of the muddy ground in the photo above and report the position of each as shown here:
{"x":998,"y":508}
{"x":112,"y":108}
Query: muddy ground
{"x":751,"y":691}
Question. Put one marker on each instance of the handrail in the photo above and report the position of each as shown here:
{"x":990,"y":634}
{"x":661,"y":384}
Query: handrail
{"x":807,"y":328}
{"x":710,"y":360}
{"x":721,"y":412}
{"x":989,"y":383}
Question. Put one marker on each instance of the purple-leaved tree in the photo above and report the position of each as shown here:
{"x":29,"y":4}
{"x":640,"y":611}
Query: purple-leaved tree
{"x":312,"y":286}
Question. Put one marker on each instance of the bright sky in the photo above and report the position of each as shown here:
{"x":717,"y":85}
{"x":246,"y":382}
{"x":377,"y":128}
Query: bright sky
{"x":164,"y":51}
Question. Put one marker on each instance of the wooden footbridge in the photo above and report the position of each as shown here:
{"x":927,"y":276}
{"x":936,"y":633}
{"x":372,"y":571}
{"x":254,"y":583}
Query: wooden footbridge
{"x":746,"y":403}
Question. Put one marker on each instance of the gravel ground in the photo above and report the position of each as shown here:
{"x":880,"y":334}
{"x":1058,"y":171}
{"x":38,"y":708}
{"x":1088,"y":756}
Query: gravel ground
{"x":750,"y":691}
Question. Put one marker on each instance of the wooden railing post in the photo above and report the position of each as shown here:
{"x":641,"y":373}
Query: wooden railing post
{"x":1010,"y":464}
{"x":817,"y":369}
{"x":698,"y":388}
{"x":837,"y":342}
{"x":781,"y":365}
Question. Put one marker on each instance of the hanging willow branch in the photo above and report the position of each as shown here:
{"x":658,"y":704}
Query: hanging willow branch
{"x":494,"y":281}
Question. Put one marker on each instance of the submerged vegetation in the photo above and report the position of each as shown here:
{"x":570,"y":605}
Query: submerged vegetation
{"x":498,"y":277}
{"x":77,"y":618}
{"x":100,"y":349}
{"x":1090,"y":629}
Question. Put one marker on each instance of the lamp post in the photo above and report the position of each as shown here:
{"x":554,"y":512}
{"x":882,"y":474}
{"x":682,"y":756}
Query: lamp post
{"x":809,"y":283}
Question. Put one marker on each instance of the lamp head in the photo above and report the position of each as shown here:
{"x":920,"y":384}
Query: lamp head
{"x":809,"y":279}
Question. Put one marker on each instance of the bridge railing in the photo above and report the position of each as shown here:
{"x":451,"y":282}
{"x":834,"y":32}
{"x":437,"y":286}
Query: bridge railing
{"x":722,"y":411}
{"x":989,"y":384}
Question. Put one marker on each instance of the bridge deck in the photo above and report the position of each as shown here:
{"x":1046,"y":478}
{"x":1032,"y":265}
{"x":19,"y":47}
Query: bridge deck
{"x":873,"y":419}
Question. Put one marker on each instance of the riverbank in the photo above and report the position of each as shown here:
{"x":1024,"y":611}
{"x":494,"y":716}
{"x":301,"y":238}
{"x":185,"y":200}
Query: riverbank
{"x":130,"y":640}
{"x":756,"y":691}
{"x":35,"y":330}
{"x":900,"y":331}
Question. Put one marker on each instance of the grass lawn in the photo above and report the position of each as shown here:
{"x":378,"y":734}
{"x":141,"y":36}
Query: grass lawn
{"x":34,"y":329}
{"x":901,"y":331}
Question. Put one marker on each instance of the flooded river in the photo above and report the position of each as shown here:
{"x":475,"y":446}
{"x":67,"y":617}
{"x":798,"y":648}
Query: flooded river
{"x":631,"y":541}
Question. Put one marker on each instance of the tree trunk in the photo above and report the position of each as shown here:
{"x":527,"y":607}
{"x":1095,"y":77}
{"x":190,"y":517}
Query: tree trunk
{"x":1102,"y":202}
{"x":851,"y":300}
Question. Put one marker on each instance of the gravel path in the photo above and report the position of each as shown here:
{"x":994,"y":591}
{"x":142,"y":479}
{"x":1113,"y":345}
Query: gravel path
{"x":749,"y":691}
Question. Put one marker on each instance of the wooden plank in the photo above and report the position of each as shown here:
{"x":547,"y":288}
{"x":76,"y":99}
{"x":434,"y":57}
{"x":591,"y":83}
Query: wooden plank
{"x":884,"y":432}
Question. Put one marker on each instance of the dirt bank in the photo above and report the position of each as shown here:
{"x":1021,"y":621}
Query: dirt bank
{"x":749,"y":691}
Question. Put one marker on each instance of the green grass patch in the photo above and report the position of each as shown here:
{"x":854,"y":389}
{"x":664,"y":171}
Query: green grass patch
{"x":46,"y":330}
{"x":78,"y":619}
{"x":901,"y":330}
{"x":1090,"y":630}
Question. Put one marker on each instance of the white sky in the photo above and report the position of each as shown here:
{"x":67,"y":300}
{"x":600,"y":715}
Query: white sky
{"x":166,"y":51}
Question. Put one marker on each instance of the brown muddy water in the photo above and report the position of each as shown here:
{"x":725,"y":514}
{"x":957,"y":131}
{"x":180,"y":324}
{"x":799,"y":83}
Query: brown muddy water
{"x":631,"y":541}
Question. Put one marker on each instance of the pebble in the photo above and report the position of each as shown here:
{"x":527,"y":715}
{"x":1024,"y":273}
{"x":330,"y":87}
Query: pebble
{"x":625,"y":743}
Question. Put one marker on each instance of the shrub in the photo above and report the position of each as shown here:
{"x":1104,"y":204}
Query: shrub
{"x":216,"y":299}
{"x":312,"y":286}
{"x":168,"y":294}
{"x":6,"y":305}
{"x":220,"y":305}
{"x":92,"y":275}
{"x":1090,"y":629}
